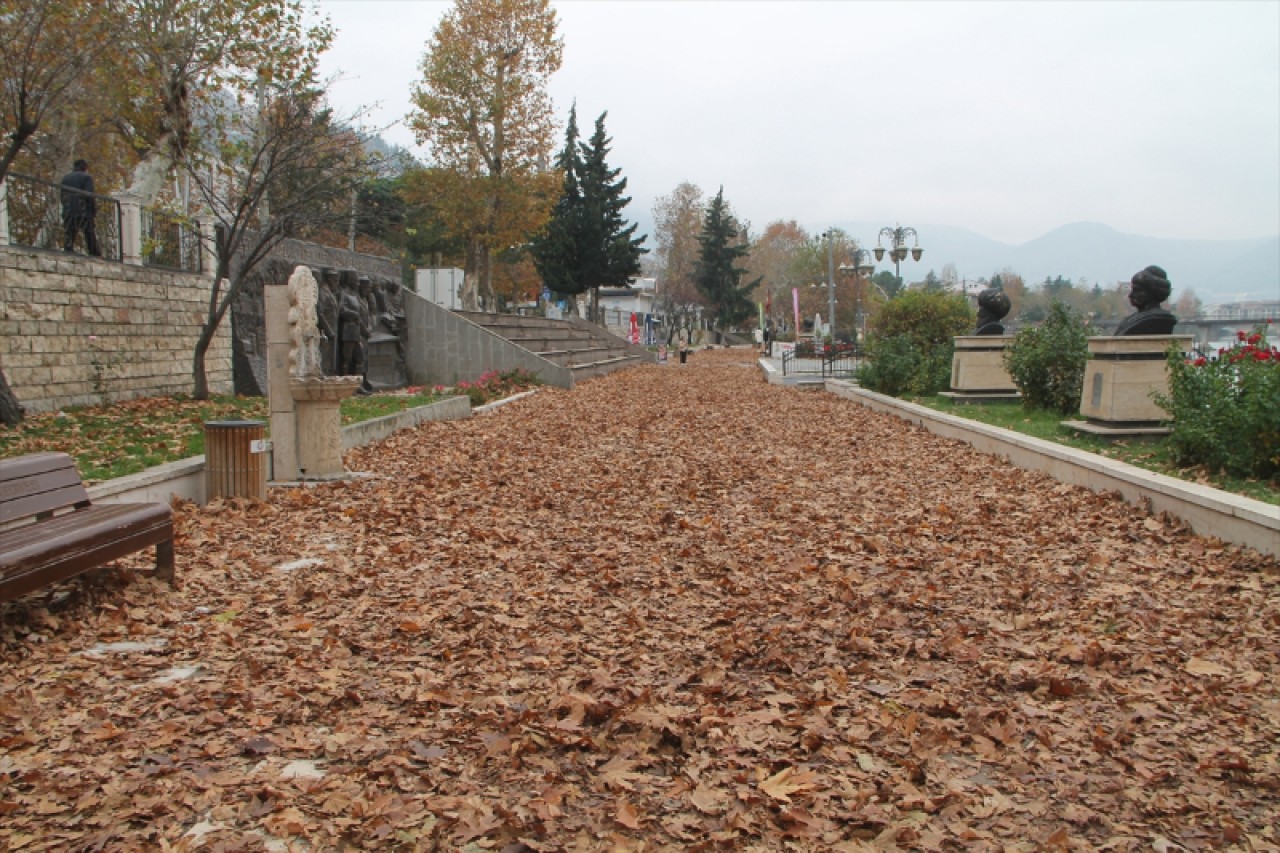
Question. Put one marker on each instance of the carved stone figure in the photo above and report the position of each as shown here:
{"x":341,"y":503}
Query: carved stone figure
{"x":993,"y":305}
{"x":354,"y":326}
{"x":304,"y":333}
{"x":391,"y":303}
{"x":1147,"y":289}
{"x":327,"y":319}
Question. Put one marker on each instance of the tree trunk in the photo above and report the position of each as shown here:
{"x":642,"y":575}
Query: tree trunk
{"x":199,"y":375}
{"x":471,"y":276}
{"x":11,"y":412}
{"x":485,"y":282}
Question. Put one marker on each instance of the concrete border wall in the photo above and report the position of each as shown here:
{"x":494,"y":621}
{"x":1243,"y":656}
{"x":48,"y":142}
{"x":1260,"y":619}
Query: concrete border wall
{"x":445,"y":349}
{"x":1208,"y":511}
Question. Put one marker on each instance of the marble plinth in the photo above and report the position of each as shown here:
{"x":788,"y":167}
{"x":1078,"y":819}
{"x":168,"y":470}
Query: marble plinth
{"x":318,"y":419}
{"x":1122,"y":375}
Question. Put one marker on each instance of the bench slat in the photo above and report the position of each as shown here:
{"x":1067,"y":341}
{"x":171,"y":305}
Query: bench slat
{"x":39,"y":483}
{"x":35,"y":543}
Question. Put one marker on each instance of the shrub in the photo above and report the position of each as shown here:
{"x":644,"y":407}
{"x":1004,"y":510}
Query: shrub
{"x":891,"y":365}
{"x":494,"y":385}
{"x":1047,"y":362}
{"x":1226,"y":410}
{"x":910,"y":350}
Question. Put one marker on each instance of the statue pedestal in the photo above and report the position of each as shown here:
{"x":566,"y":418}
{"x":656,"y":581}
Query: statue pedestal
{"x":318,"y":424}
{"x":978,"y":374}
{"x":1121,"y":375}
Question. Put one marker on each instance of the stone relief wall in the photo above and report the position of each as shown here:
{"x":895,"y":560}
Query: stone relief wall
{"x":247,"y":313}
{"x":77,"y":331}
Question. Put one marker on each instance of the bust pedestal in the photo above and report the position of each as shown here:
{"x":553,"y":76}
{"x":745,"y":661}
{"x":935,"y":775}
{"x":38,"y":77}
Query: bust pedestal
{"x":978,"y":374}
{"x":1119,"y":379}
{"x":318,"y":410}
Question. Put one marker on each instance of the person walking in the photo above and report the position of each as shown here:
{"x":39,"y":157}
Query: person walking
{"x":78,"y":209}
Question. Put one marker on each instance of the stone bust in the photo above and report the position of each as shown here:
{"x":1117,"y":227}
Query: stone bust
{"x":993,"y":305}
{"x":1147,"y":289}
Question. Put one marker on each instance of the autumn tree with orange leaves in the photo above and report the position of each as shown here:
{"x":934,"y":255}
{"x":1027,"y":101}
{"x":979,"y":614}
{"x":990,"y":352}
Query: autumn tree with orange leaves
{"x":483,"y":110}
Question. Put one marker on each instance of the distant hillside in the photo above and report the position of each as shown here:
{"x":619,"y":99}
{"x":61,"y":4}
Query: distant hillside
{"x":1217,"y":270}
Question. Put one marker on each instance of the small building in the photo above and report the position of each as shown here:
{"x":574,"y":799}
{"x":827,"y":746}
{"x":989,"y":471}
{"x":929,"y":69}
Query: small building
{"x":618,"y":304}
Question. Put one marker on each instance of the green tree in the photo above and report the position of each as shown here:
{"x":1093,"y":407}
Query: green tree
{"x":911,"y":347}
{"x":483,"y":109}
{"x":1047,"y":362}
{"x":611,"y":252}
{"x":555,"y":249}
{"x":932,"y":284}
{"x":587,"y":243}
{"x":717,"y":278}
{"x":887,"y":282}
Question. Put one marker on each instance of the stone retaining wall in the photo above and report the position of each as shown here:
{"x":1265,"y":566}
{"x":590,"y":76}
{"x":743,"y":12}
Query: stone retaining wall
{"x":79,"y":331}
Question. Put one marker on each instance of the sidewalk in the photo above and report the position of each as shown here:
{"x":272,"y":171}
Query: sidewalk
{"x":667,"y":608}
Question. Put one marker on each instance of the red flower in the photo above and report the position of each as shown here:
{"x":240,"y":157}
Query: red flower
{"x":1241,"y":335}
{"x":1200,"y":362}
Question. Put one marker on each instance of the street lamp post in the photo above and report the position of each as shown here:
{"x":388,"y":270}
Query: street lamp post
{"x":897,"y":238}
{"x":829,"y":236}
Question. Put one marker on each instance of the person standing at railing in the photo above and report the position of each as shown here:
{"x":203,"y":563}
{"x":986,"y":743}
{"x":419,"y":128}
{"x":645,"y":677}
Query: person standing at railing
{"x":78,"y":209}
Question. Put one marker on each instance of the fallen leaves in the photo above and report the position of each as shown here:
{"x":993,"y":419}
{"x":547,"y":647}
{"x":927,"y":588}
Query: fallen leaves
{"x":670,"y":609}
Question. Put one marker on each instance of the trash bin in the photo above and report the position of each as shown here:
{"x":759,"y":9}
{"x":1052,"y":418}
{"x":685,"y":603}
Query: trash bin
{"x":684,"y":356}
{"x":235,"y":459}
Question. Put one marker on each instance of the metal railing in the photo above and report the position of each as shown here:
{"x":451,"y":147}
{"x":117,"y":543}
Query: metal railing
{"x":170,"y":241}
{"x":821,"y":360}
{"x":36,"y":220}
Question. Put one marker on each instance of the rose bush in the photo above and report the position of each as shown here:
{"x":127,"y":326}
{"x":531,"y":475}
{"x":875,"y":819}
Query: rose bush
{"x":494,"y":385}
{"x":1226,"y":409}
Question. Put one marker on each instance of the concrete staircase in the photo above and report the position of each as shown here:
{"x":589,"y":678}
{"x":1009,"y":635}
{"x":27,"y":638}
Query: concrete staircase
{"x":583,"y":348}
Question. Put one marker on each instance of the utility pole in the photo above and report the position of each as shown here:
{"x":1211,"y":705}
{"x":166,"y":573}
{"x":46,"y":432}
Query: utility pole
{"x":831,"y":283}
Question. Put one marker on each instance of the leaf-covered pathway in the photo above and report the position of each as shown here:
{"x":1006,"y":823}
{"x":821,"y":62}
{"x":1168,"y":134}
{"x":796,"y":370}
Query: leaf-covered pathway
{"x":673,"y":609}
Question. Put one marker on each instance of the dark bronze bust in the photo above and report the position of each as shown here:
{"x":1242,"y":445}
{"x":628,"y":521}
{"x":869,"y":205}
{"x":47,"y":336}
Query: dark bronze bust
{"x":1147,"y":289}
{"x":993,"y":305}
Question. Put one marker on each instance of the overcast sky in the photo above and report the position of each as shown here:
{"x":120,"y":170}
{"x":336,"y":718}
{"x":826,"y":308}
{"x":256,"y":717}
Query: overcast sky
{"x":1009,"y":119}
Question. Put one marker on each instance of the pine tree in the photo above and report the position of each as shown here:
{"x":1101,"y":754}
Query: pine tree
{"x":612,"y":253}
{"x":588,"y":244}
{"x":555,"y":250}
{"x":717,"y":278}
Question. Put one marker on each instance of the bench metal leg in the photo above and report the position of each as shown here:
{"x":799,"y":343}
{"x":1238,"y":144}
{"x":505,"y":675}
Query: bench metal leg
{"x":164,"y":561}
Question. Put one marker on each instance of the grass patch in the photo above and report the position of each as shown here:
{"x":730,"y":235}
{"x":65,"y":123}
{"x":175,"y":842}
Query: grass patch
{"x":358,"y":409}
{"x":1151,"y":454}
{"x":125,"y":438}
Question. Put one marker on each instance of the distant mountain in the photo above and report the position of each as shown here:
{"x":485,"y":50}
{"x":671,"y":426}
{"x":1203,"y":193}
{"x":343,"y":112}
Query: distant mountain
{"x":1217,"y":270}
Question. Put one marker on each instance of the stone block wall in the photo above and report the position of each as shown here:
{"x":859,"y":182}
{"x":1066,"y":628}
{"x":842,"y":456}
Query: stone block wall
{"x":79,"y":331}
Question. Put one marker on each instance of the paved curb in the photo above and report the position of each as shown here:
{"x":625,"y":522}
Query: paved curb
{"x":498,"y":404}
{"x":1208,"y":511}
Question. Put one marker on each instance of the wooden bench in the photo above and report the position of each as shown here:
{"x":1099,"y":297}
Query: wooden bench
{"x":49,"y":530}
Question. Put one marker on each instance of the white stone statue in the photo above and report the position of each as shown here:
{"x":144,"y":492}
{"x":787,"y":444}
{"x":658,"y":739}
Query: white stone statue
{"x":304,"y":328}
